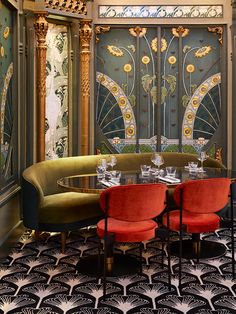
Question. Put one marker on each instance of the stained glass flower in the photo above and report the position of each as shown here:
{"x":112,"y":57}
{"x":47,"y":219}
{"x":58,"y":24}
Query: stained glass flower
{"x":190,"y":68}
{"x":6,"y":32}
{"x":163,"y":44}
{"x":172,"y":60}
{"x":127,"y":67}
{"x":145,"y":60}
{"x":203,"y":51}
{"x":115,"y":51}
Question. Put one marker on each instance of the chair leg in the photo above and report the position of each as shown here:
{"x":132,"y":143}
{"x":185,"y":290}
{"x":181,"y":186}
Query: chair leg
{"x":140,"y":258}
{"x":63,"y":241}
{"x":232,"y":229}
{"x":37,"y":235}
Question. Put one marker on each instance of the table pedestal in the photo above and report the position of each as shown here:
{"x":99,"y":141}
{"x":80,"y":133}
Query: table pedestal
{"x":208,"y":249}
{"x":122,"y":265}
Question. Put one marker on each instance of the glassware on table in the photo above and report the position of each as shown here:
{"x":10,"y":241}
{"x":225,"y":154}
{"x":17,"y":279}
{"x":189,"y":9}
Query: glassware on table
{"x":145,"y":170}
{"x":158,"y":160}
{"x":202,"y":157}
{"x":192,"y":166}
{"x":170,"y":171}
{"x":101,"y":168}
{"x":115,"y":175}
{"x":112,"y":161}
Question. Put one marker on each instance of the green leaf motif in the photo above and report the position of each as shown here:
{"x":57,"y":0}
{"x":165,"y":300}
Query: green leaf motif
{"x":154,"y":94}
{"x":132,"y":100}
{"x":131,"y":47}
{"x":185,"y":100}
{"x":163,"y":94}
{"x":171,"y":80}
{"x":186,"y":48}
{"x":147,"y":80}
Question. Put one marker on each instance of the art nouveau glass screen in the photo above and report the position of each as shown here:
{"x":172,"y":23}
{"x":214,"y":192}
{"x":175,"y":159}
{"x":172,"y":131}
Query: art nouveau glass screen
{"x":158,"y":86}
{"x":56,"y":138}
{"x":7,"y":105}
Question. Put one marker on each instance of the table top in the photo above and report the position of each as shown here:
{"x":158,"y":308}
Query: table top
{"x":90,"y":184}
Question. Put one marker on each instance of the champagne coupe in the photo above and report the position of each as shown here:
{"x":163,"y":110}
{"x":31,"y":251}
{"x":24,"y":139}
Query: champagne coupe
{"x":202,"y":157}
{"x":158,"y":160}
{"x":112,"y":162}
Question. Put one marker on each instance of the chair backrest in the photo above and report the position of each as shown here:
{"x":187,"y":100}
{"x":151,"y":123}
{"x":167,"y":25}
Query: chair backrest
{"x":203,"y":196}
{"x":134,"y":202}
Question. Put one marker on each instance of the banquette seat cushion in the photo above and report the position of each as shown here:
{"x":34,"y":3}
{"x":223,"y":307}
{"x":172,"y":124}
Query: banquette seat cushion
{"x":48,"y":207}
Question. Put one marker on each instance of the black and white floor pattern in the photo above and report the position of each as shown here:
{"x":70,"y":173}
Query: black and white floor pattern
{"x":37,"y":278}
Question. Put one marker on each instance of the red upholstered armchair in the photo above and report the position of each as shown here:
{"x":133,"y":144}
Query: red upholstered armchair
{"x":198,"y":202}
{"x":129,"y":212}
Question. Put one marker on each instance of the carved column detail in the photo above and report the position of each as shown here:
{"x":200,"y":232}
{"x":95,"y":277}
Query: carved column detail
{"x":85,"y":34}
{"x":41,"y":28}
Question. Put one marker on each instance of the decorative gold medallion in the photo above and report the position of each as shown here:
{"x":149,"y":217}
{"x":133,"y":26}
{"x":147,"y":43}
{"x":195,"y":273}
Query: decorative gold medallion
{"x":190,"y":68}
{"x":127,"y":67}
{"x":145,"y":60}
{"x":172,"y":60}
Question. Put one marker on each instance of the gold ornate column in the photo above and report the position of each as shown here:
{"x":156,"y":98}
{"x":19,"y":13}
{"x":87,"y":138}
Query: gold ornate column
{"x":41,"y":28}
{"x":85,"y":34}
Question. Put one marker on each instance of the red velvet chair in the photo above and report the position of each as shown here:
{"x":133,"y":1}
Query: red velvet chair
{"x":129,"y":212}
{"x":198,"y":202}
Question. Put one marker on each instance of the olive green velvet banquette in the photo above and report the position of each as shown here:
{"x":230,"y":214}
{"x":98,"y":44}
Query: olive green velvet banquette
{"x":47,"y":207}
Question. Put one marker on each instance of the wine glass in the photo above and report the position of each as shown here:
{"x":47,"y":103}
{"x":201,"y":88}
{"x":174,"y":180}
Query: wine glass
{"x":112,"y":161}
{"x":202,"y":156}
{"x":158,"y":160}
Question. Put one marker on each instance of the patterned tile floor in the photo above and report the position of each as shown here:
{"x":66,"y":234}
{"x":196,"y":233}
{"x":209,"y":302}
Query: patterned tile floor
{"x":37,"y":278}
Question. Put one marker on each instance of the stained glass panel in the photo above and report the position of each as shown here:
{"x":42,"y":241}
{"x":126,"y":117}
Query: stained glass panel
{"x":130,"y":87}
{"x":6,"y":99}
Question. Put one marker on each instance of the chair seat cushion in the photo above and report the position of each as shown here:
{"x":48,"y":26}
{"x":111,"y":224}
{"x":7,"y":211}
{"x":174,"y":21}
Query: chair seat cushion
{"x":126,"y":231}
{"x":193,"y":223}
{"x":69,"y":207}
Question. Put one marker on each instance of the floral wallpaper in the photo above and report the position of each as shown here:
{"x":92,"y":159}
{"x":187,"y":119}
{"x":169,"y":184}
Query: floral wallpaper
{"x":6,"y":100}
{"x":56,"y":136}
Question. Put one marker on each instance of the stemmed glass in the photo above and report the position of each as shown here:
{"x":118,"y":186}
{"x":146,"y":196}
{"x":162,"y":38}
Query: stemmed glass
{"x":202,"y":157}
{"x":158,"y":160}
{"x":112,"y":162}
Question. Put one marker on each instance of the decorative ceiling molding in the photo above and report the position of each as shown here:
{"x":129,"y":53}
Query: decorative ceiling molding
{"x":71,"y":6}
{"x":160,"y":11}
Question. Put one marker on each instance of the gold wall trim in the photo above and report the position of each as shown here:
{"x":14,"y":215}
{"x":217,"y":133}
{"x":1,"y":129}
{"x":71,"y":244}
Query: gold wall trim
{"x":100,"y":30}
{"x":219,"y":30}
{"x":85,"y":34}
{"x":41,"y":28}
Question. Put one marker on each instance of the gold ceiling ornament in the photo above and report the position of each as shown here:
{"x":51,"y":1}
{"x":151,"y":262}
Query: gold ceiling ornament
{"x":138,"y":31}
{"x":41,"y":29}
{"x":71,"y":6}
{"x":100,"y":30}
{"x":163,"y":44}
{"x":180,"y":31}
{"x":219,"y":30}
{"x":203,"y":51}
